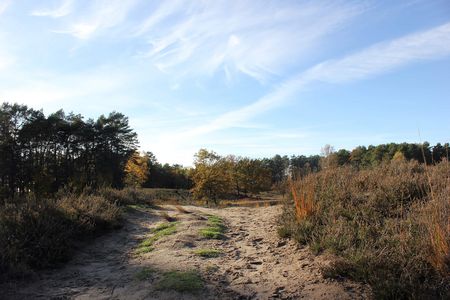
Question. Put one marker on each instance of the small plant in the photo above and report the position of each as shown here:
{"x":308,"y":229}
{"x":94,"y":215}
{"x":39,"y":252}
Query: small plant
{"x":207,"y":253}
{"x":181,"y":281}
{"x":163,"y":229}
{"x":144,"y":274}
{"x":215,"y":229}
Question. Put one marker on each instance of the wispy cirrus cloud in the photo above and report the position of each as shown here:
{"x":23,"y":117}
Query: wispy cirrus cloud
{"x":259,"y":39}
{"x":64,"y":9}
{"x":4,"y":5}
{"x":48,"y":89}
{"x":372,"y":61}
{"x":100,"y":16}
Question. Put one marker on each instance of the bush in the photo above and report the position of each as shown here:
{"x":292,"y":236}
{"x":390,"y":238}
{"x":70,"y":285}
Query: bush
{"x":388,"y":226}
{"x":39,"y":233}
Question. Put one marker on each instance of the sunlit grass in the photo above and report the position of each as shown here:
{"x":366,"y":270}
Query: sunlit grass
{"x":187,"y":281}
{"x":208,"y":253}
{"x":160,"y":231}
{"x":215,"y":229}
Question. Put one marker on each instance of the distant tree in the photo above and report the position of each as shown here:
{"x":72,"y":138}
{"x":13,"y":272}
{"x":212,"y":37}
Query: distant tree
{"x":327,"y":150}
{"x":278,"y":166}
{"x":399,"y":156}
{"x":358,"y":156}
{"x":302,"y":165}
{"x":249,"y":175}
{"x":342,"y":157}
{"x":211,"y":176}
{"x":439,"y":152}
{"x":167,"y":176}
{"x":329,"y":158}
{"x":136,"y":170}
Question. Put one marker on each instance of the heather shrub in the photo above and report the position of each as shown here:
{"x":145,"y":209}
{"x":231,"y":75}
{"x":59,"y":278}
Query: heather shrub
{"x":40,"y":233}
{"x":387,"y":226}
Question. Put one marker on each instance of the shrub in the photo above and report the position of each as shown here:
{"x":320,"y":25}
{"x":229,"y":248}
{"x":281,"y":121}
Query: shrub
{"x":389,"y":225}
{"x":126,"y":196}
{"x":39,"y":233}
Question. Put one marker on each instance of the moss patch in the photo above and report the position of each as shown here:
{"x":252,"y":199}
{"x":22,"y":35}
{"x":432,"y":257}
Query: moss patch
{"x":188,"y":281}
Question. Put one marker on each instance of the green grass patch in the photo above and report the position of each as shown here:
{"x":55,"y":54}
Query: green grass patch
{"x":144,"y":274}
{"x":208,"y":253}
{"x":164,"y":226}
{"x":187,"y":281}
{"x":215,"y":229}
{"x":211,"y":234}
{"x":160,"y":231}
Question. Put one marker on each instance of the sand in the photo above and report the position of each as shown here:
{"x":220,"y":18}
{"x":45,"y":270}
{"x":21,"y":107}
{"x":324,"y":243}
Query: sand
{"x":255,"y":263}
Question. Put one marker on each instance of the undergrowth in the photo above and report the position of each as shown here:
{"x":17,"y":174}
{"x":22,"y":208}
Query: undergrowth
{"x":388,"y":226}
{"x":37,"y":233}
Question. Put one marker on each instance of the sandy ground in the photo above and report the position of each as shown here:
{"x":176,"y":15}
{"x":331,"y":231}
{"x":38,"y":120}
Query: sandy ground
{"x":255,"y":263}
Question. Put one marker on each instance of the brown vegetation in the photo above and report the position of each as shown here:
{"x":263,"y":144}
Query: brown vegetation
{"x":39,"y":233}
{"x":388,"y":226}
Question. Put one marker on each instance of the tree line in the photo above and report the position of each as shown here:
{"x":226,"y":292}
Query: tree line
{"x":42,"y":154}
{"x":366,"y":157}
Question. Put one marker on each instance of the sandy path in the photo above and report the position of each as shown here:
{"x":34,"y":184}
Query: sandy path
{"x":255,"y":263}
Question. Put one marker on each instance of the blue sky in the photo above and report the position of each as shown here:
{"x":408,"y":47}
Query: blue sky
{"x":251,"y":78}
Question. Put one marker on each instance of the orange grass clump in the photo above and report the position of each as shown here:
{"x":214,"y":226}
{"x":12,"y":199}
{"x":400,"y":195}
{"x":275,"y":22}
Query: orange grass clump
{"x":304,"y":204}
{"x":440,"y":247}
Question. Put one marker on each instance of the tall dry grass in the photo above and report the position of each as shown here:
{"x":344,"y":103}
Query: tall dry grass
{"x":387,"y":226}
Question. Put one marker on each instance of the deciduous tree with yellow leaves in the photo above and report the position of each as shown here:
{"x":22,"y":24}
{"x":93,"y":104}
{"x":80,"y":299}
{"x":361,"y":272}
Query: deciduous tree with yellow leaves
{"x":136,"y":170}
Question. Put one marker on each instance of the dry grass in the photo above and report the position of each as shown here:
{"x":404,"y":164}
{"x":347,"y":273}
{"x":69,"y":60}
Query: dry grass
{"x":389,"y":225}
{"x":304,"y":200}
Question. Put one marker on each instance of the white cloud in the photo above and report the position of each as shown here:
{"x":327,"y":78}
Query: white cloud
{"x":383,"y":57}
{"x":101,"y":15}
{"x":55,"y":90}
{"x":257,"y":38}
{"x":4,"y":5}
{"x":64,"y":9}
{"x":380,"y":58}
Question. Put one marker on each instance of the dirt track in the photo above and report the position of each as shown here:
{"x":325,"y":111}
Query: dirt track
{"x":255,"y":263}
